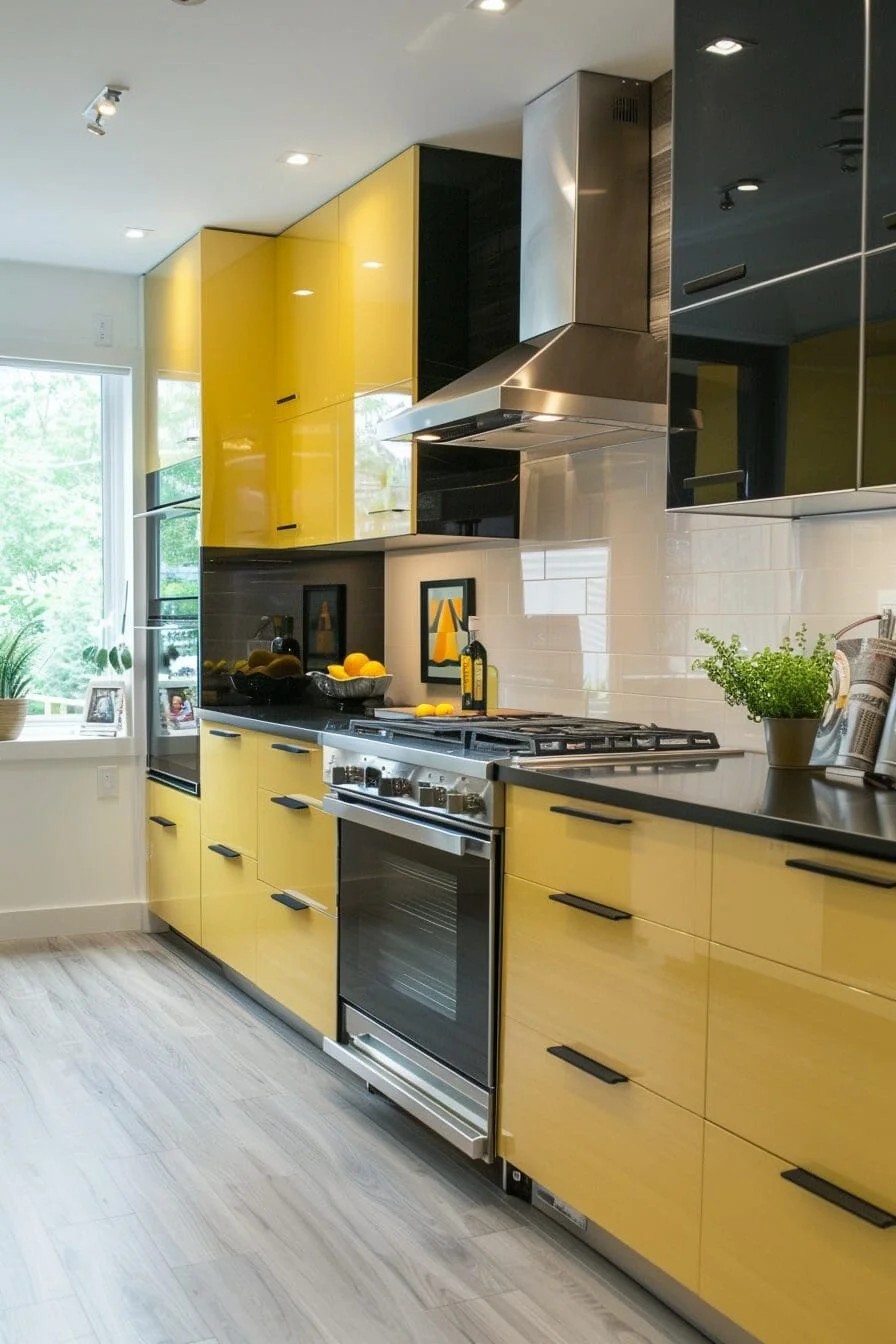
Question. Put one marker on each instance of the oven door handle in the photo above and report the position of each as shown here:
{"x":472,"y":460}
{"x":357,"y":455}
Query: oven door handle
{"x":417,"y":832}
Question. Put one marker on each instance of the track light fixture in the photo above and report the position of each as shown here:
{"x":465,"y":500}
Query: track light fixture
{"x":105,"y":104}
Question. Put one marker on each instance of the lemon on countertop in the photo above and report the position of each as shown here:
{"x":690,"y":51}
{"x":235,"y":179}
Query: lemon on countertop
{"x":422,"y":711}
{"x":445,"y":709}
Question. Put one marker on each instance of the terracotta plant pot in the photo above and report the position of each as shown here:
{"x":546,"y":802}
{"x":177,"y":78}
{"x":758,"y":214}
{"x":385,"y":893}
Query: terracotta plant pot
{"x":12,"y":718}
{"x":789,"y":742}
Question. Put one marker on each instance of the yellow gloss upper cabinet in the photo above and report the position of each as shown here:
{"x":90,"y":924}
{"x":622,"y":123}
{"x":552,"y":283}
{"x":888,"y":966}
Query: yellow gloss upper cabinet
{"x":173,"y":849}
{"x":377,"y":289}
{"x":171,"y":300}
{"x":308,"y":454}
{"x":309,"y":364}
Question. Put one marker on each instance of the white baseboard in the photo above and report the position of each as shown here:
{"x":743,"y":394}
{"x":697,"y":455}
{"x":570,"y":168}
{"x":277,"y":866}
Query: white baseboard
{"x":62,"y":921}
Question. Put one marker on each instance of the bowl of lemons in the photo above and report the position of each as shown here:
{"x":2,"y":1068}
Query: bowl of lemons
{"x":358,"y":678}
{"x":270,"y":678}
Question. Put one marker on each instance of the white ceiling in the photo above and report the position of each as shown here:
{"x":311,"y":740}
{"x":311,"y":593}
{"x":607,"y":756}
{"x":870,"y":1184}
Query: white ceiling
{"x":220,"y":90}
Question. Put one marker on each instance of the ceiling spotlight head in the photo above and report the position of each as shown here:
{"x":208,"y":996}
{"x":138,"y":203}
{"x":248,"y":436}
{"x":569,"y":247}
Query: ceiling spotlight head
{"x":727,"y":46}
{"x":96,"y":127}
{"x":727,"y":202}
{"x":749,"y":184}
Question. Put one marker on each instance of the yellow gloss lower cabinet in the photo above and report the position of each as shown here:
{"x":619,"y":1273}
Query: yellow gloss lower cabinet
{"x":296,"y":962}
{"x":230,"y":898}
{"x":173,"y":848}
{"x":229,"y":771}
{"x":784,"y":1264}
{"x":297,"y":847}
{"x":287,"y":765}
{"x":625,"y":1157}
{"x":629,"y":993}
{"x":654,"y":867}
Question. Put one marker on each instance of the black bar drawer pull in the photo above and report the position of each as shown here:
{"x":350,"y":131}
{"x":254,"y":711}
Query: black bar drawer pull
{"x":291,"y":902}
{"x":587,"y":1064}
{"x":221,"y":732}
{"x":590,"y":907}
{"x":287,"y":746}
{"x":714,"y":280}
{"x":294,"y":804}
{"x":828,"y":870}
{"x":163,"y":821}
{"x":714,"y":478}
{"x":287,"y":527}
{"x":890,"y":220}
{"x":591,"y":816}
{"x":225,"y":852}
{"x":281,"y":401}
{"x":859,"y":1208}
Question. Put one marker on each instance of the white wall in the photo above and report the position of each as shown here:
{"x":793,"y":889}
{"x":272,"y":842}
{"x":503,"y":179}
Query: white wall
{"x":597,"y":611}
{"x":68,"y":860}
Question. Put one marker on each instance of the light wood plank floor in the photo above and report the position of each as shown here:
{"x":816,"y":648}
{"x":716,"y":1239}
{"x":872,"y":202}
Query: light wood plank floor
{"x":178,"y":1167}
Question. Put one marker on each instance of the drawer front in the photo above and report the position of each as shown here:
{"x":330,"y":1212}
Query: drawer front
{"x":229,"y":783}
{"x":297,"y":847}
{"x":288,"y":766}
{"x":787,"y":1266}
{"x":173,"y":849}
{"x":297,"y":959}
{"x":230,"y":897}
{"x":626,"y":991}
{"x":803,"y":1066}
{"x":626,"y":1158}
{"x":843,"y":926}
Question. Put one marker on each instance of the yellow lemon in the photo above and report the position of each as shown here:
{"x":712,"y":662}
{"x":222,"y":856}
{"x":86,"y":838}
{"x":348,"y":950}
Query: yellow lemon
{"x":423,"y":710}
{"x":372,"y":669}
{"x":444,"y":709}
{"x":338,"y":673}
{"x":353,"y":664}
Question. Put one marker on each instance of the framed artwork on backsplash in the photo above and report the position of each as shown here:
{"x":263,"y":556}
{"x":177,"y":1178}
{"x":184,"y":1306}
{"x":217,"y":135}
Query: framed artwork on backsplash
{"x":323,"y":625}
{"x":445,"y":605}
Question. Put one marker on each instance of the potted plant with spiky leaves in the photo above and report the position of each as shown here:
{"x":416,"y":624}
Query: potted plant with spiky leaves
{"x":18,"y":650}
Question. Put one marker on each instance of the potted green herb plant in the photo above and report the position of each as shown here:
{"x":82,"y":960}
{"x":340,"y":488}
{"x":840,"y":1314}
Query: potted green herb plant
{"x":786,"y":688}
{"x":18,"y":649}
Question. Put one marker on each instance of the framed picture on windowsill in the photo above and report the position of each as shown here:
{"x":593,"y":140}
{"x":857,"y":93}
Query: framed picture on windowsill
{"x":105,"y":709}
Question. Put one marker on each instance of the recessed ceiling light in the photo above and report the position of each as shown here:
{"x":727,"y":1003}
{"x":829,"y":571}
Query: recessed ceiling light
{"x":727,"y":46}
{"x":136,"y":233}
{"x":547,"y":419}
{"x":492,"y":6}
{"x":303,"y":293}
{"x":428,"y":438}
{"x":298,"y":158}
{"x":372,"y":265}
{"x":749,"y":184}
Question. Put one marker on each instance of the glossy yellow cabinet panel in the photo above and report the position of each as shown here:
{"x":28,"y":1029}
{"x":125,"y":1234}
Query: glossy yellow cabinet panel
{"x":230,"y":898}
{"x":288,"y":765}
{"x":237,"y":319}
{"x":229,"y":790}
{"x":173,"y":848}
{"x":377,"y":286}
{"x":310,"y":372}
{"x":297,"y":847}
{"x":623,"y":1156}
{"x":654,"y":867}
{"x":830,"y":925}
{"x":172,"y":300}
{"x":804,"y":1066}
{"x":308,"y":471}
{"x":787,"y":1266}
{"x":297,"y":960}
{"x":629,"y":993}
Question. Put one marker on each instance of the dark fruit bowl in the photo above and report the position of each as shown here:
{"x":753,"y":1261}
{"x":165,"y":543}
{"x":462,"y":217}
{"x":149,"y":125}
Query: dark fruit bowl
{"x":264,"y":690}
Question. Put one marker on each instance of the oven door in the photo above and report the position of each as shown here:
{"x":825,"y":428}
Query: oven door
{"x":417,"y":950}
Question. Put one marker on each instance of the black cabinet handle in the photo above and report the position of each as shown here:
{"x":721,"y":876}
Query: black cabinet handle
{"x":294,"y":804}
{"x":890,"y":220}
{"x":827,"y":870}
{"x":592,"y":816}
{"x":587,"y":1064}
{"x":221,"y":732}
{"x":281,"y":401}
{"x":287,"y":527}
{"x":290,"y":902}
{"x":225,"y":852}
{"x":859,"y":1208}
{"x":714,"y":280}
{"x":590,"y":907}
{"x":715,"y":478}
{"x":163,"y":821}
{"x":287,"y":746}
{"x":373,"y":513}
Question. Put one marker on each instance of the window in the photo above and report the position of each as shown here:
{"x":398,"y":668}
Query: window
{"x":65,"y":465}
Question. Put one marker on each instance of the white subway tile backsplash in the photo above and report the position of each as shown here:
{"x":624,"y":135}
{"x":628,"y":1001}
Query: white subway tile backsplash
{"x":554,"y":597}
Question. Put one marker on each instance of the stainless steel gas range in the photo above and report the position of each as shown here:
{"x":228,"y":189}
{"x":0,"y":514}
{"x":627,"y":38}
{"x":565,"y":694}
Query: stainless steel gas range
{"x":421,"y":814}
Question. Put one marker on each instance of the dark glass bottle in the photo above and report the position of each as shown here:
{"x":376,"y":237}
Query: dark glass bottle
{"x":284,"y":641}
{"x":473,"y":670}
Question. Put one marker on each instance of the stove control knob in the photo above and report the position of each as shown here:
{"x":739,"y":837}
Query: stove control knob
{"x":474,"y":802}
{"x":347,"y":774}
{"x":393,"y":787}
{"x":460,"y":803}
{"x":426,"y":795}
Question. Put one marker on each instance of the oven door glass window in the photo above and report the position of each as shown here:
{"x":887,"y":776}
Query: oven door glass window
{"x":415,"y":944}
{"x":173,"y":728}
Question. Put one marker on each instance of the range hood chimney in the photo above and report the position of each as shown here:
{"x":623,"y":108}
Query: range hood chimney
{"x":586,"y":367}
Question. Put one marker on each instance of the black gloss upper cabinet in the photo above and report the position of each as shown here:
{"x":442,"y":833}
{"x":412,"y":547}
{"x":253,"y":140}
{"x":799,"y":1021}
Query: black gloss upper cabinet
{"x":882,"y":126}
{"x":783,"y":115}
{"x":879,"y":440}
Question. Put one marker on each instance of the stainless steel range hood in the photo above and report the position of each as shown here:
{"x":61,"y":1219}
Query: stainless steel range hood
{"x":586,"y":367}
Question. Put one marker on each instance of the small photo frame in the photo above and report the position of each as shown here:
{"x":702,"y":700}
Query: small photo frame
{"x":177,"y":708}
{"x":105,"y":709}
{"x":445,"y":607}
{"x":323,"y":625}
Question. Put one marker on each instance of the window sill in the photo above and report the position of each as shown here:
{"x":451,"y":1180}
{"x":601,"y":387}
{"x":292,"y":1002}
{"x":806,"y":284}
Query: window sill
{"x":67,"y":748}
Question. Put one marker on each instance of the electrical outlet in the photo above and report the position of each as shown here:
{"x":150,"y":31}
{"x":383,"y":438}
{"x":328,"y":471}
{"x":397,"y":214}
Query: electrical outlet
{"x":102,"y":330}
{"x":107,"y":781}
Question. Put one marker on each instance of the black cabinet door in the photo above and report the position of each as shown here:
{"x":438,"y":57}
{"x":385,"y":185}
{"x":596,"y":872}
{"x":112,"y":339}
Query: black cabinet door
{"x":784,"y":114}
{"x":879,"y":441}
{"x":764,"y":391}
{"x":882,"y":126}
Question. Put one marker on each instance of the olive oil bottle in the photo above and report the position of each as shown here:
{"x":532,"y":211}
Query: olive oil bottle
{"x":473,"y":670}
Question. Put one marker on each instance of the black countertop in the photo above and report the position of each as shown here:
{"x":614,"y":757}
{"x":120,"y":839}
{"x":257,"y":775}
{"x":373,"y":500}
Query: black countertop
{"x":305,"y":722}
{"x":739,"y":793}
